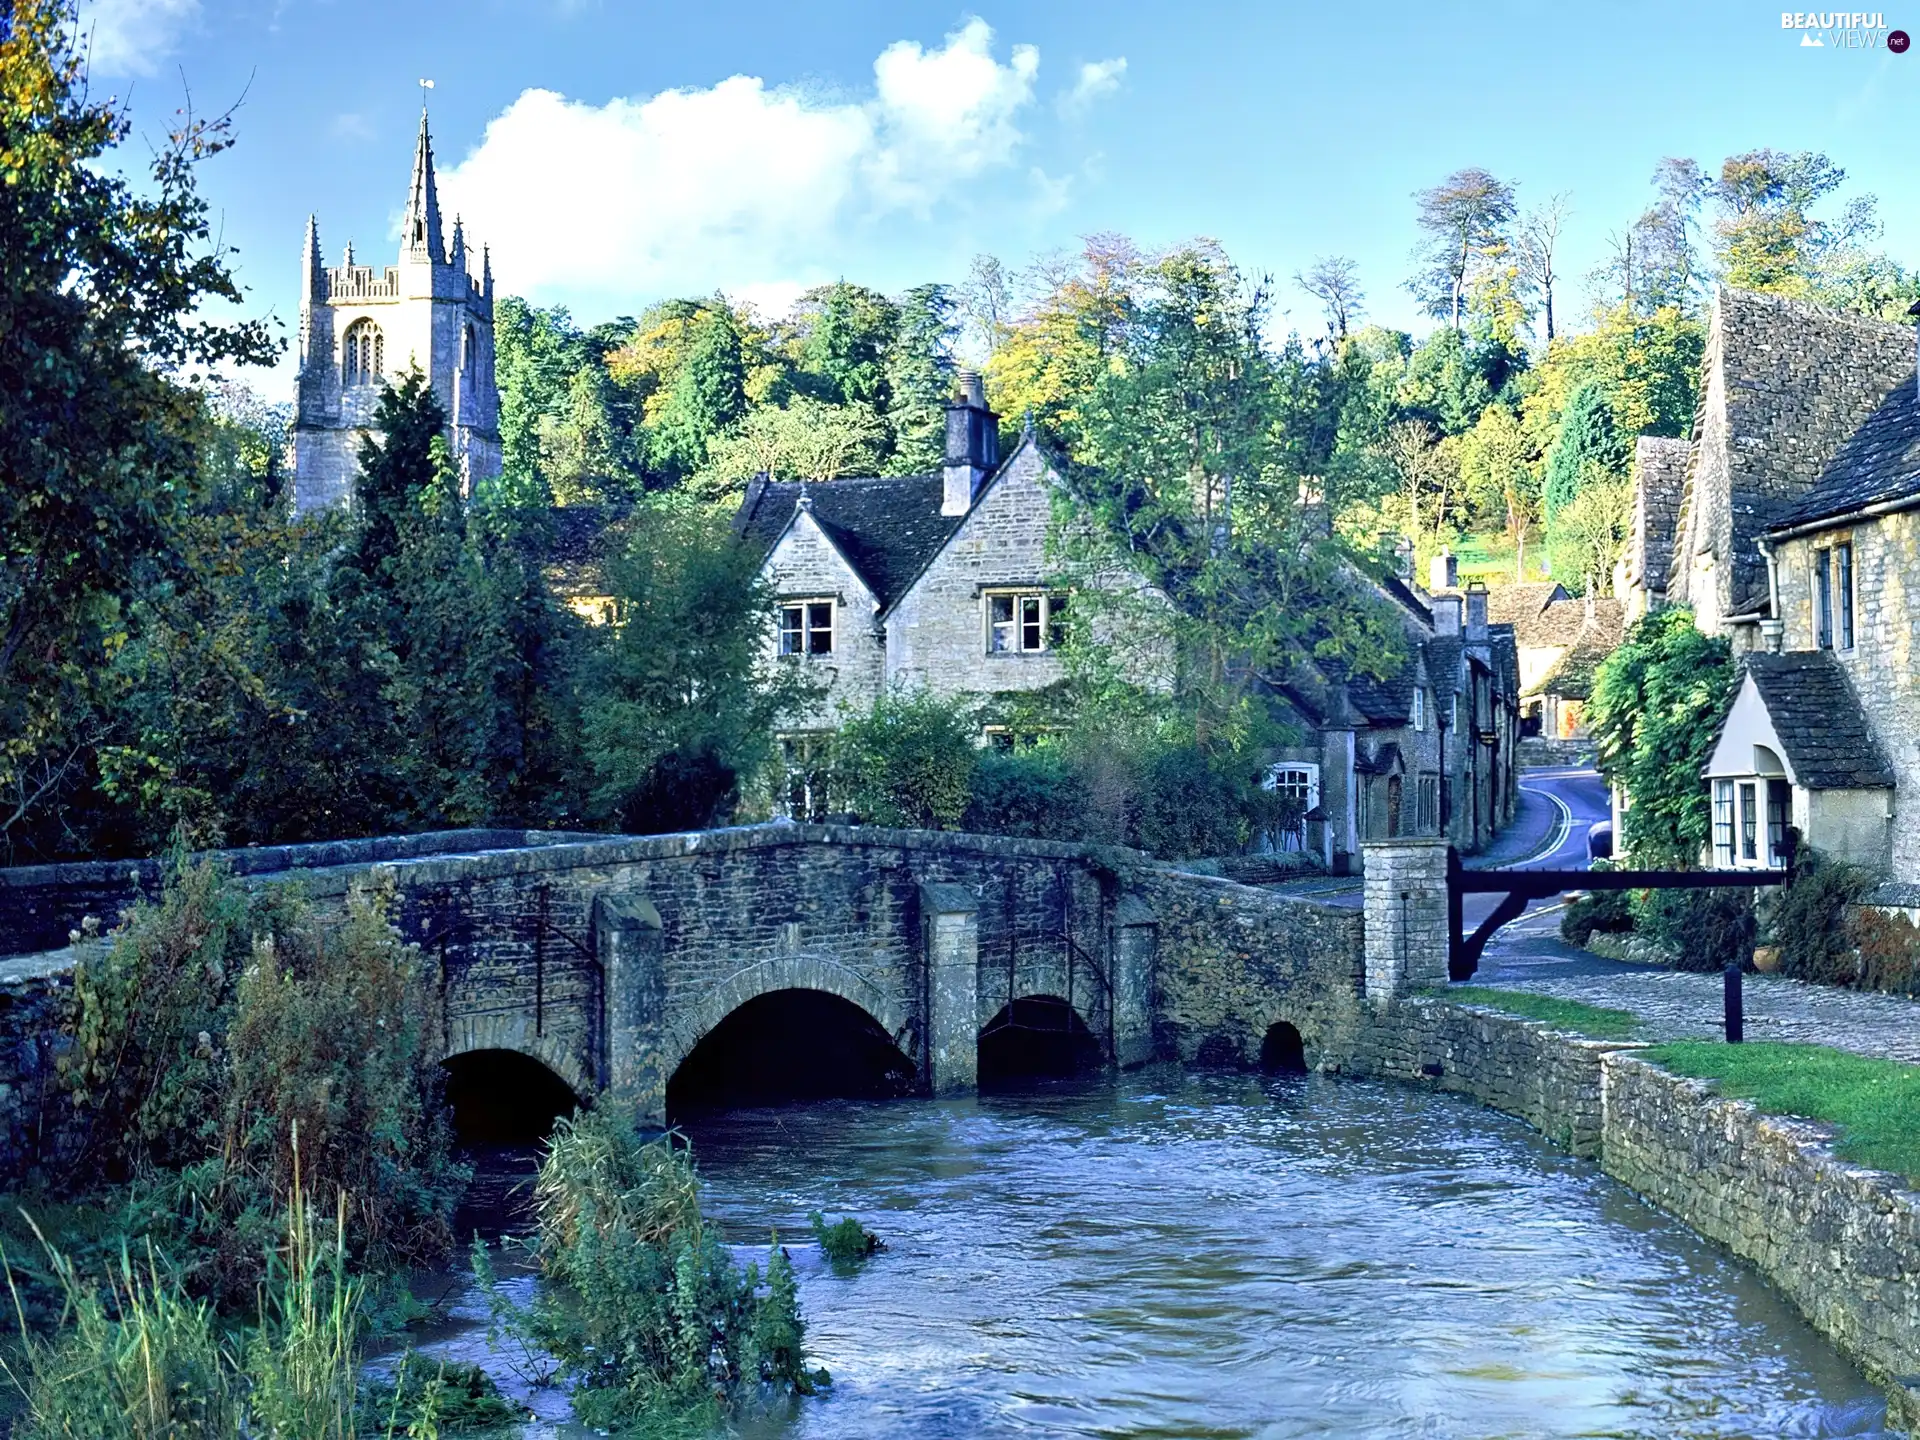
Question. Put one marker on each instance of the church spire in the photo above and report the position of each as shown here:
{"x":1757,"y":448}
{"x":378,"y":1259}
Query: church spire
{"x":420,"y":237}
{"x":313,"y":270}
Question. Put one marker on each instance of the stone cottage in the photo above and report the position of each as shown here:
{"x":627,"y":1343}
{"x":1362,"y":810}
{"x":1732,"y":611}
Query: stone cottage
{"x":940,"y":581}
{"x":1559,"y":641}
{"x":1799,"y":538}
{"x":1427,"y":751}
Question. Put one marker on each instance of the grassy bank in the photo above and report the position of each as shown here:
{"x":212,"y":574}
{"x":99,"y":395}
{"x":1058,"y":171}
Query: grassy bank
{"x":1593,"y":1021}
{"x":1874,"y":1103}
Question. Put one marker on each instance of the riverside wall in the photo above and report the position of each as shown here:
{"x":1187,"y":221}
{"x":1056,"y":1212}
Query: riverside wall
{"x":1840,"y":1241}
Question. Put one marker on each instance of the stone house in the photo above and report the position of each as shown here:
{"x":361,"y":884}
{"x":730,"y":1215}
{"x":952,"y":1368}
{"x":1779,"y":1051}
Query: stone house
{"x":1559,"y":641}
{"x":1427,"y":751}
{"x":1799,"y":538}
{"x":360,"y":327}
{"x":941,"y":581}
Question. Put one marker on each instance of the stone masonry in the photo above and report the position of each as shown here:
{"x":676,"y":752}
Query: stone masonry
{"x":1405,"y":903}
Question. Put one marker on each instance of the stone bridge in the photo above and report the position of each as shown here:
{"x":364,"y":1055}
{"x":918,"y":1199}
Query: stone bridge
{"x":609,"y":959}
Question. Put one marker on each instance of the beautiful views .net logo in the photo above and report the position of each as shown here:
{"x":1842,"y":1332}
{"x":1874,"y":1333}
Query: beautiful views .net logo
{"x":1844,"y":30}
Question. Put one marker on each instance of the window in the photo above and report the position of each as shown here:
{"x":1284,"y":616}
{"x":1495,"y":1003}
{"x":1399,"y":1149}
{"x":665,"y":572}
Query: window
{"x":1822,"y":600}
{"x":1419,"y":708}
{"x":1429,"y":802}
{"x":806,"y":628}
{"x":808,"y":763}
{"x":1749,"y":821}
{"x":363,"y":354}
{"x":1723,"y":822}
{"x":1025,"y":624}
{"x":1299,"y":786}
{"x":1779,"y":816}
{"x":1843,"y":583}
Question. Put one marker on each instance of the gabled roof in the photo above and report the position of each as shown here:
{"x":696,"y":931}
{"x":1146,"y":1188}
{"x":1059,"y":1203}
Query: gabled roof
{"x":1826,"y":735}
{"x":887,"y":527}
{"x":1880,"y":461}
{"x":1571,"y":676}
{"x":1443,"y":663}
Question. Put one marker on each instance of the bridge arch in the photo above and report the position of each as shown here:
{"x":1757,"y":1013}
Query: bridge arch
{"x":786,"y":972}
{"x":1037,"y":1035}
{"x":514,"y":1030}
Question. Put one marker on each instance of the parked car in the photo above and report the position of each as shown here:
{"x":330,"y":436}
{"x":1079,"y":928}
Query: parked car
{"x":1600,"y":841}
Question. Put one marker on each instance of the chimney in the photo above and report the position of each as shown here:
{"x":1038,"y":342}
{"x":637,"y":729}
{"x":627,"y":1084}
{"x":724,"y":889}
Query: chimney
{"x":1446,"y":614}
{"x":973,"y":444}
{"x":1443,"y":571}
{"x":1477,"y":612}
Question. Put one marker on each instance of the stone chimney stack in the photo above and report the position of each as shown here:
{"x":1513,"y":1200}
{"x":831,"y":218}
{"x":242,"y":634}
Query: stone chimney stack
{"x":1443,"y":571}
{"x":973,"y":444}
{"x":1477,"y":612}
{"x":1446,"y":614}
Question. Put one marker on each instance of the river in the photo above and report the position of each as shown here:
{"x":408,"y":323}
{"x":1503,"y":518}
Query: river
{"x":1192,"y":1255}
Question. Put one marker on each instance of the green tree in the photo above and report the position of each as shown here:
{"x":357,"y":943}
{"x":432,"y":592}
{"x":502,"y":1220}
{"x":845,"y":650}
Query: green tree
{"x":104,"y":292}
{"x":910,"y":760}
{"x":706,"y":395}
{"x":1658,"y":703}
{"x":1500,"y":478}
{"x":845,"y":334}
{"x":805,"y":439}
{"x":920,"y":378}
{"x":682,"y":692}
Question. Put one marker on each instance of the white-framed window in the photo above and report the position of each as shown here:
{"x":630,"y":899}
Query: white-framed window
{"x":1298,"y":781}
{"x":1723,"y":824}
{"x":1749,"y":821}
{"x":1024,"y":622}
{"x":1419,"y":708}
{"x":806,"y":627}
{"x":807,"y":760}
{"x":363,"y":354}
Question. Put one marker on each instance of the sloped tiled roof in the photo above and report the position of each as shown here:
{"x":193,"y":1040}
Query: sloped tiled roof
{"x":888,"y":527}
{"x":1880,"y":461}
{"x":1571,"y":676}
{"x":1819,"y":721}
{"x":1443,"y":663}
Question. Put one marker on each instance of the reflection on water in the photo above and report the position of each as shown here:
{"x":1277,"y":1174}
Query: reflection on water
{"x":1220,"y":1256}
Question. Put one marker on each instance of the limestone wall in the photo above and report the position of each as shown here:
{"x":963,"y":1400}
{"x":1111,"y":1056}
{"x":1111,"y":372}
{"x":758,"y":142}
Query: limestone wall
{"x":806,"y":566}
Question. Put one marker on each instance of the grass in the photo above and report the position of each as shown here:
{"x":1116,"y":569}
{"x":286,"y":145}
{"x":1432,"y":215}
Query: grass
{"x":1874,"y":1103}
{"x":1593,"y":1021}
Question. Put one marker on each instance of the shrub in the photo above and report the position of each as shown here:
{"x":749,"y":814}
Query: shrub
{"x":1609,"y":912}
{"x":221,"y":1023}
{"x":1037,"y":793}
{"x":1889,"y":947}
{"x":653,"y":1323}
{"x":1808,"y":920}
{"x":844,"y":1243}
{"x":910,"y":760}
{"x":1186,"y":806}
{"x":1705,"y":929}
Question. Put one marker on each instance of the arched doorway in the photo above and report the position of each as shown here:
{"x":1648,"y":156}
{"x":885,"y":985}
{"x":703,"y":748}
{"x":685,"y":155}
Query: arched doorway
{"x":1283,"y":1052}
{"x":790,"y":1045}
{"x":1034,"y":1037}
{"x":501,"y":1097}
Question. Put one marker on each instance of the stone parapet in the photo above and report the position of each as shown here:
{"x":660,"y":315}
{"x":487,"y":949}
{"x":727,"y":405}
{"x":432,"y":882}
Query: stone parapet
{"x":1405,"y":902}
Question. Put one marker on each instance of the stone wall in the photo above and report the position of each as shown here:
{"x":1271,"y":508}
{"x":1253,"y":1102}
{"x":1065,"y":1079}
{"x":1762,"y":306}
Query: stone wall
{"x":937,"y":633}
{"x":40,"y":905}
{"x":1234,"y":960}
{"x":804,"y":565}
{"x":1841,"y":1242}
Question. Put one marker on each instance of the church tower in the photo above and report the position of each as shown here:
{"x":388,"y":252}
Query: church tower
{"x":361,"y":328}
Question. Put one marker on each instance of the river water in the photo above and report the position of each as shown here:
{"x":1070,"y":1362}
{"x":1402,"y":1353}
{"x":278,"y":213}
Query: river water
{"x":1215,"y":1256}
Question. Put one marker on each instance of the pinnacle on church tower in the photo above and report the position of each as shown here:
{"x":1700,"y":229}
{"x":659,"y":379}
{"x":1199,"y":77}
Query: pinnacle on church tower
{"x":420,"y":237}
{"x":313,"y":270}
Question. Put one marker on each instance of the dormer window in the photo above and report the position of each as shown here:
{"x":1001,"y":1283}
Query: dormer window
{"x":363,"y":356}
{"x":806,"y":627}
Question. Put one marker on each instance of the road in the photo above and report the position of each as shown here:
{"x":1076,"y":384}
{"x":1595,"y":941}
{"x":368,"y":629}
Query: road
{"x":1549,"y":832}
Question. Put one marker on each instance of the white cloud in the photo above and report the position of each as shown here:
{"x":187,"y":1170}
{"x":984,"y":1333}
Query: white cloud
{"x":1097,"y":78}
{"x":740,"y":184}
{"x":132,"y":37}
{"x":352,"y":125}
{"x":771,"y":299}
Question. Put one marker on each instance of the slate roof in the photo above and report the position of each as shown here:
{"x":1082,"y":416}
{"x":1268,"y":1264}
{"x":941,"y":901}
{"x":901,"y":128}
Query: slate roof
{"x":1381,"y":762}
{"x":1879,"y":461}
{"x":888,"y":528}
{"x":1819,"y":721}
{"x":1571,"y":676}
{"x":1443,"y":663}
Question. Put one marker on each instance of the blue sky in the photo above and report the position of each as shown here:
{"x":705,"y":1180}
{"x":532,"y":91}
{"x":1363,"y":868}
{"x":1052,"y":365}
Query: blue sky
{"x":615,"y":153}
